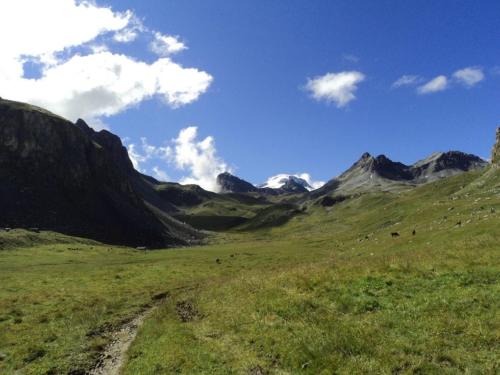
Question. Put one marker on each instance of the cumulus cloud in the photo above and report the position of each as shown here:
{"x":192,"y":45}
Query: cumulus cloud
{"x":406,"y":80}
{"x":199,"y":158}
{"x":93,"y":85}
{"x":165,"y":45}
{"x":187,"y":153}
{"x":338,"y":88}
{"x":131,"y":32}
{"x":469,"y":76}
{"x":436,"y":84}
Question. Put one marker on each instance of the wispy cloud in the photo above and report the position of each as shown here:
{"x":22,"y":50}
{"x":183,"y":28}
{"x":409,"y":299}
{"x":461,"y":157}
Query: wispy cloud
{"x":436,"y":84}
{"x":348,"y":57}
{"x":469,"y":77}
{"x":160,"y":174}
{"x":143,"y":152}
{"x":165,"y":45}
{"x":407,"y":80}
{"x":337,"y":88}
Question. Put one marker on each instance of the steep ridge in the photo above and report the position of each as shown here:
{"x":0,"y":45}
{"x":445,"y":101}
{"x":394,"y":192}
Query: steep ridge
{"x":382,"y":174}
{"x":445,"y":164}
{"x":68,"y":178}
{"x":231,"y":184}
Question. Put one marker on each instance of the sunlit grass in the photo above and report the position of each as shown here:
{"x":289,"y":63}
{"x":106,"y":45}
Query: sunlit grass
{"x":328,"y":292}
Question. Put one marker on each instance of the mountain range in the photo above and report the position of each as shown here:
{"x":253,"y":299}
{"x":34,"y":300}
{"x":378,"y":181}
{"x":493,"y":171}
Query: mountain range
{"x":369,"y":173}
{"x":66,"y":177}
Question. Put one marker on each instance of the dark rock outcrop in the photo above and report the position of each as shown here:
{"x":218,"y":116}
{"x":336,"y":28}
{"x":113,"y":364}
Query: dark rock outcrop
{"x":445,"y":164}
{"x":232,"y":184}
{"x":66,"y":177}
{"x":495,"y":154}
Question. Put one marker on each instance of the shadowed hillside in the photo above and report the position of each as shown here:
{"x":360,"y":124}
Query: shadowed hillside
{"x":58,"y":176}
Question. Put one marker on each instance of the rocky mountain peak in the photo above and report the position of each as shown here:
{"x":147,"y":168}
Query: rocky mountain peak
{"x":293,"y":185}
{"x":231,"y":184}
{"x":381,"y":166}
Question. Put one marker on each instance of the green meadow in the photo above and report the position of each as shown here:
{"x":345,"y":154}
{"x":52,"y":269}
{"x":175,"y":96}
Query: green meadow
{"x":329,"y":291}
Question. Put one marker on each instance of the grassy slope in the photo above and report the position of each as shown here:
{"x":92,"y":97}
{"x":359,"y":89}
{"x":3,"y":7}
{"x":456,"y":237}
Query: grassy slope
{"x":329,"y":292}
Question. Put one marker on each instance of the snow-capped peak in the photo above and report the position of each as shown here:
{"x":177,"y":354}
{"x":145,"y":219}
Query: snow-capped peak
{"x":303,"y":179}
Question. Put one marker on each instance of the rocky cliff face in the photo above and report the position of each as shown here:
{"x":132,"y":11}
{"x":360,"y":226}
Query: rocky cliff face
{"x":495,"y":155}
{"x":65,"y":177}
{"x":232,"y":184}
{"x":445,"y":164}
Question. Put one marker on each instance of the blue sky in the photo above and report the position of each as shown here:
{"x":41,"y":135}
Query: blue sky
{"x":262,"y":114}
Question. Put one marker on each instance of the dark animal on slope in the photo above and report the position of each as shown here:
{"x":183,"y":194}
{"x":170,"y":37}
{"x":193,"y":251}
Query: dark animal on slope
{"x":414,"y":232}
{"x":394,"y":234}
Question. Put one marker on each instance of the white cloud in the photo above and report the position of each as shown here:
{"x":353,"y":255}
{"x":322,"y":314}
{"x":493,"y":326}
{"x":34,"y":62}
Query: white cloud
{"x":338,"y":88}
{"x":131,"y":32}
{"x":126,"y":35}
{"x":314,"y":184}
{"x":160,"y":174}
{"x":140,"y":154}
{"x":436,"y":84}
{"x":136,"y":157}
{"x":199,"y":158}
{"x":406,"y":80}
{"x":469,"y":76}
{"x":90,"y":86}
{"x":165,"y":45}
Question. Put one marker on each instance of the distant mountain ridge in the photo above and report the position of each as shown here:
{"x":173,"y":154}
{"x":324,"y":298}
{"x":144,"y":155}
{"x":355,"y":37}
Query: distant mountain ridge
{"x":229,"y":183}
{"x":366,"y":174}
{"x":69,"y":178}
{"x":288,"y":182}
{"x":371,"y":173}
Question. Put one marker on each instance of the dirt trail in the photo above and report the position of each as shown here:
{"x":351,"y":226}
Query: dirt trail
{"x":113,"y":357}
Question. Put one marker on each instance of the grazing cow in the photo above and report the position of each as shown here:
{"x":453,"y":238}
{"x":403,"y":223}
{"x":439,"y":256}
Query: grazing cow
{"x":414,"y":232}
{"x":218,"y":261}
{"x":394,"y":234}
{"x":459,"y":223}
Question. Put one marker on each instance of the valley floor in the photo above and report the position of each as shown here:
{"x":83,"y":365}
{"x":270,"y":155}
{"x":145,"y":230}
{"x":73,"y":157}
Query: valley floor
{"x":330,"y":292}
